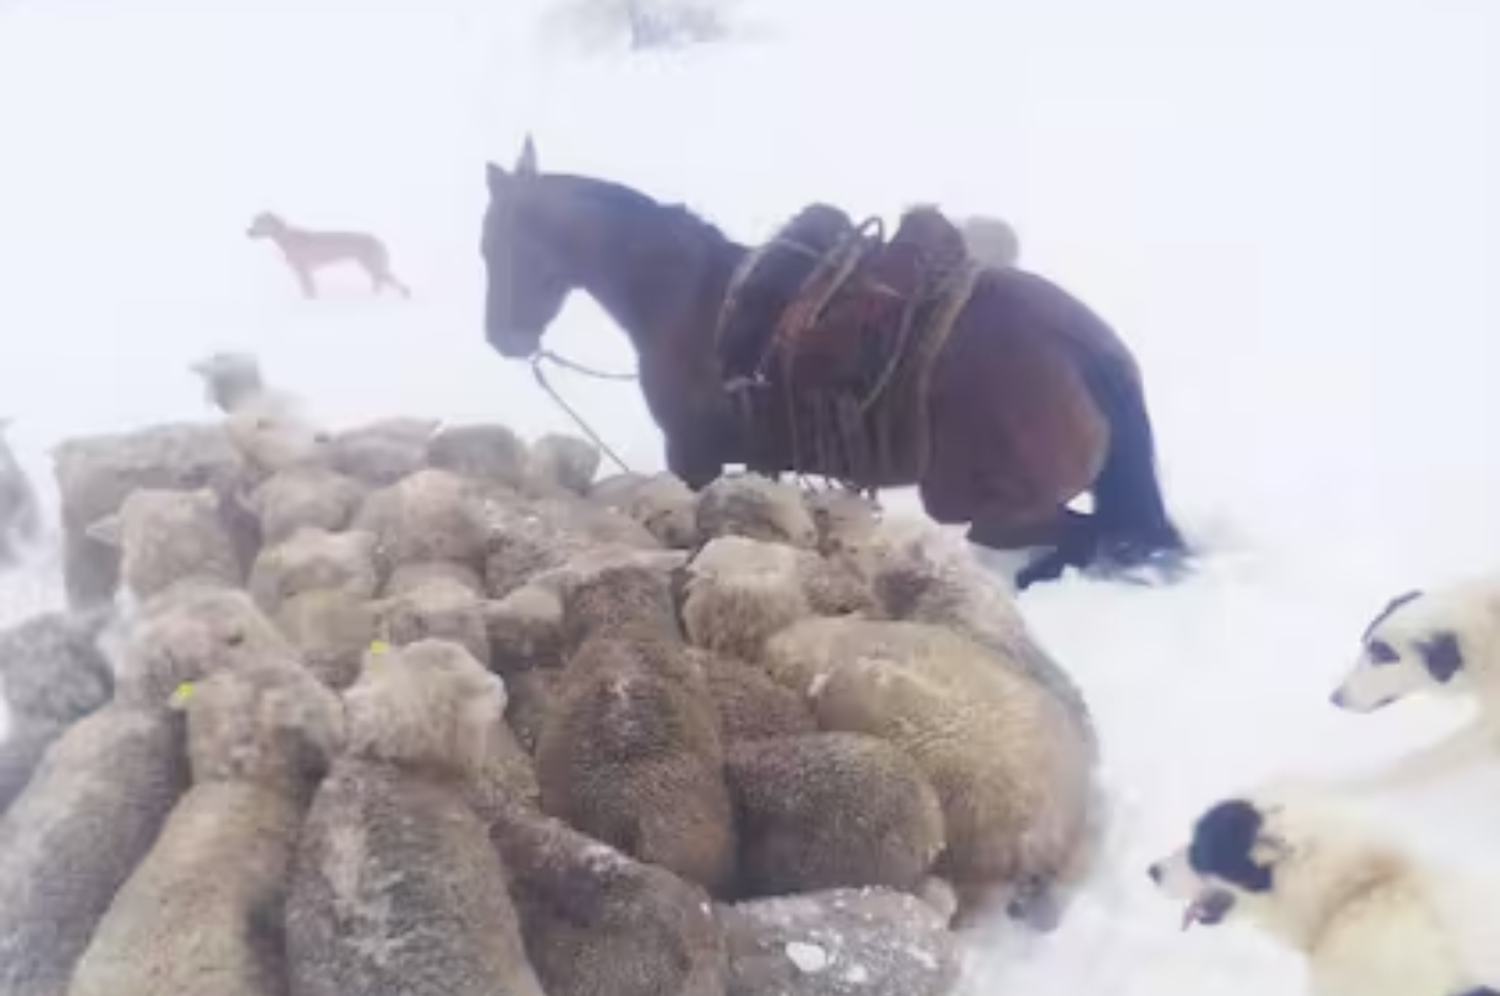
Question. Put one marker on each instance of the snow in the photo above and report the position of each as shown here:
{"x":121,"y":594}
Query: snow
{"x":1290,"y":211}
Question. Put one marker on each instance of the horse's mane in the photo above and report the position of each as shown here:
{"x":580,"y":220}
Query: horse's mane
{"x":618,"y":197}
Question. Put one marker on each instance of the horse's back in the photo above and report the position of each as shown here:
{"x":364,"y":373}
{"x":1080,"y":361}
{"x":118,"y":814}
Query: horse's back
{"x":1013,"y":299}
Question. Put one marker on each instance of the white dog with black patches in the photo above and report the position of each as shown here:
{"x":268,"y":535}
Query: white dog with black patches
{"x":1445,"y":641}
{"x":1370,"y":918}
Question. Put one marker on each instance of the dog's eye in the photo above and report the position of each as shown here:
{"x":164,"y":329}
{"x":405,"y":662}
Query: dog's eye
{"x":1382,"y":653}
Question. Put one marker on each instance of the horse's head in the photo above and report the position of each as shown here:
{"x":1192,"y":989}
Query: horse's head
{"x":530,"y":255}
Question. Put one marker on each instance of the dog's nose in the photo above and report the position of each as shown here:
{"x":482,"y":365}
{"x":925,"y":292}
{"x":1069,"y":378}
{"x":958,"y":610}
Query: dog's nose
{"x":1155,"y":872}
{"x":1337,"y":698}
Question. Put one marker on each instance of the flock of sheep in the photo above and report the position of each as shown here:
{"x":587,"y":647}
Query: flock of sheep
{"x":420,"y":709}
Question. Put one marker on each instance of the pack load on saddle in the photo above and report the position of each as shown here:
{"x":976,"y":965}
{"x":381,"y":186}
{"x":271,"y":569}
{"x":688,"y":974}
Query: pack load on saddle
{"x":827,"y":336}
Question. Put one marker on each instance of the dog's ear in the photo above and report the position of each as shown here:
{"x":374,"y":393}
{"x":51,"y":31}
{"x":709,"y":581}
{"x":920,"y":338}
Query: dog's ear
{"x":1270,"y":850}
{"x":526,"y":164}
{"x":1443,"y":656}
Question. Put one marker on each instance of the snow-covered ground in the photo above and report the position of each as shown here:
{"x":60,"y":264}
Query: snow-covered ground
{"x":1289,"y":209}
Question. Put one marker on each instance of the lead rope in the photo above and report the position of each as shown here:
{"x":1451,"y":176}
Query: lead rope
{"x":546,"y":385}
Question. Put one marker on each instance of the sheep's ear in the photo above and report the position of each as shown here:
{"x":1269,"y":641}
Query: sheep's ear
{"x":106,"y":530}
{"x":526,"y":164}
{"x":180,"y":695}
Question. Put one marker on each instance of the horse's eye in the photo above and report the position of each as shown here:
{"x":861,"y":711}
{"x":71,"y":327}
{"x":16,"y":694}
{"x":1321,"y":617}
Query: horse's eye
{"x":1382,"y":653}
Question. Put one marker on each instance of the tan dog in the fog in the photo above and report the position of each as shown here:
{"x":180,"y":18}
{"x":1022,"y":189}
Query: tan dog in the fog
{"x":307,"y":251}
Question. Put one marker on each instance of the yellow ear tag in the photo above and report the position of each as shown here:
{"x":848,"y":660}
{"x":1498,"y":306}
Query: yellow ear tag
{"x":182,"y":694}
{"x":377,"y":648}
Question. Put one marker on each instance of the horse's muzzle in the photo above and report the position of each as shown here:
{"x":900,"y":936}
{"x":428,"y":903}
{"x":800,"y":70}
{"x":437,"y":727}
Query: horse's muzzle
{"x":514,"y":345}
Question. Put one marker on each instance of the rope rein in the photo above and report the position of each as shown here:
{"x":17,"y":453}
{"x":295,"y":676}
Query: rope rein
{"x":578,"y":420}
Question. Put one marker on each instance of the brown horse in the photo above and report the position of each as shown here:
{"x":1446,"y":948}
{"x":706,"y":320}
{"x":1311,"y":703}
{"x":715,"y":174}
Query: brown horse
{"x":1031,"y":401}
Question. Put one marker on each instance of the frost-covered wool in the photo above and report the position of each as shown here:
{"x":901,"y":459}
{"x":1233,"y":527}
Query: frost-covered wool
{"x":199,"y":913}
{"x":94,"y":475}
{"x":438,"y":610}
{"x":1012,"y":766}
{"x":630,"y":754}
{"x":565,"y":462}
{"x":662,"y":503}
{"x":331,"y":629}
{"x":91,"y":810}
{"x":304,"y":498}
{"x":839,"y":943}
{"x":750,"y":705}
{"x":598,"y":922}
{"x":739,"y":591}
{"x":831,"y":810}
{"x":525,"y":630}
{"x":487,"y":452}
{"x":381,"y":453}
{"x":170,"y":536}
{"x":316,"y":560}
{"x":391,"y":830}
{"x":432,"y":515}
{"x":755,"y":507}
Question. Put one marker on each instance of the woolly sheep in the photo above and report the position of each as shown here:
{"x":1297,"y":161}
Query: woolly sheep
{"x":97,"y":801}
{"x":395,"y":886}
{"x":598,"y":922}
{"x":525,"y":630}
{"x":739,"y":591}
{"x":304,"y":497}
{"x":662,"y":503}
{"x":831,"y":810}
{"x":491,"y":453}
{"x":95,"y":474}
{"x":630,"y":754}
{"x":52,"y":668}
{"x":20,"y":515}
{"x":331,"y":629}
{"x":87,"y":817}
{"x":53,"y":674}
{"x":750,"y":705}
{"x":872,"y":942}
{"x":315,"y":560}
{"x":1011,"y":766}
{"x":757,"y":508}
{"x":439,"y":610}
{"x":432,"y":515}
{"x":406,"y":578}
{"x":185,"y":633}
{"x":382,"y":453}
{"x":564,"y":462}
{"x":531,"y":697}
{"x":201,"y":913}
{"x":170,"y":536}
{"x":25,"y":743}
{"x":535,"y":538}
{"x":922,"y":574}
{"x":617,"y":600}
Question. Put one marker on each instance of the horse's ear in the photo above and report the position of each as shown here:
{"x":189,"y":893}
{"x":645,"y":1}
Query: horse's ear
{"x":526,"y":164}
{"x":495,"y":177}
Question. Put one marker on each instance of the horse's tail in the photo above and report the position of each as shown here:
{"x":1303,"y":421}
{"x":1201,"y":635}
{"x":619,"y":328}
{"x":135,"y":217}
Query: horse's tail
{"x":1130,"y":513}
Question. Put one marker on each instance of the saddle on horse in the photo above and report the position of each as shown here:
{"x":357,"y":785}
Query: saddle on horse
{"x":832,"y":313}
